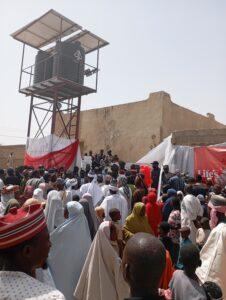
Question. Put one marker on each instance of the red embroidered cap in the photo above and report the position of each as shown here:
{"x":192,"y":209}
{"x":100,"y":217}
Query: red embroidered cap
{"x":20,"y":225}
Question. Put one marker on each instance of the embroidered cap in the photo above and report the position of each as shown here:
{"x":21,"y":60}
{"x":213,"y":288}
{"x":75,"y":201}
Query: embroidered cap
{"x":20,"y":225}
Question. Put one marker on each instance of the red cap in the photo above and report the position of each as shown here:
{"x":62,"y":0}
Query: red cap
{"x":20,"y":225}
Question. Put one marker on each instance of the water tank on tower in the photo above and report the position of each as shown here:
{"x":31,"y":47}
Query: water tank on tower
{"x":43,"y":66}
{"x":69,"y":61}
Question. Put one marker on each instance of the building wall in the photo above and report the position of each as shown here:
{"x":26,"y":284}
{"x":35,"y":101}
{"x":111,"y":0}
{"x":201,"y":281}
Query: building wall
{"x":128,"y":129}
{"x":176,"y":118}
{"x":201,"y":137}
{"x":132,"y":129}
{"x":18,"y":155}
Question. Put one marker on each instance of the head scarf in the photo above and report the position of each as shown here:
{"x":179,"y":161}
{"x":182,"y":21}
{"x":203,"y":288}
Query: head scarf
{"x":99,"y":213}
{"x":74,"y":209}
{"x":70,"y":183}
{"x":139,"y":183}
{"x":28,"y":193}
{"x":180,"y":193}
{"x":70,"y":245}
{"x":89,"y":198}
{"x":31,"y":201}
{"x":7,"y":194}
{"x":103,"y":268}
{"x":38,"y":194}
{"x":217,"y":204}
{"x":123,"y":181}
{"x":171,"y":193}
{"x":89,"y":218}
{"x":11,"y":203}
{"x":136,"y":223}
{"x":153,"y":212}
{"x":145,"y":199}
{"x":201,"y":198}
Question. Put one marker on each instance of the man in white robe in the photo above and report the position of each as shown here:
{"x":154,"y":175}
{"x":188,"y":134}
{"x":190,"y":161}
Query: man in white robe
{"x":191,"y":211}
{"x":115,"y":200}
{"x":93,"y":189}
{"x":213,"y":253}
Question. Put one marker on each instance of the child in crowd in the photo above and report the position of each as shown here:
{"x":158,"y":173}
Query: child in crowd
{"x":203,"y":233}
{"x":163,"y":232}
{"x":185,"y":284}
{"x":184,"y":232}
{"x":116,"y":242}
{"x":175,"y":221}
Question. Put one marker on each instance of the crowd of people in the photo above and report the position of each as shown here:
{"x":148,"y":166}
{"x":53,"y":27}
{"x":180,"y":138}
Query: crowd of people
{"x":111,"y":231}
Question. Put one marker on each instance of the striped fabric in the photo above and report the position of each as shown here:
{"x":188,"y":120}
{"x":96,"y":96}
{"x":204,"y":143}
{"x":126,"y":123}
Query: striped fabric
{"x":20,"y":225}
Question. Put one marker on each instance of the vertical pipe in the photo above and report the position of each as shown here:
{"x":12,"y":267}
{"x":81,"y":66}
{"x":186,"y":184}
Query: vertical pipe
{"x":54,"y":113}
{"x":98,"y":56}
{"x":21,"y":66}
{"x":29,"y":122}
{"x":78,"y":118}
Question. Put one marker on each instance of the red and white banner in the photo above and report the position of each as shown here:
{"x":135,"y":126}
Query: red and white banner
{"x":51,"y":151}
{"x":210,"y":161}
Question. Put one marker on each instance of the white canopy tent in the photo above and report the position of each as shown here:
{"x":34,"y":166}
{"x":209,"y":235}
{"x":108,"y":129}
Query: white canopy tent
{"x":176,"y":156}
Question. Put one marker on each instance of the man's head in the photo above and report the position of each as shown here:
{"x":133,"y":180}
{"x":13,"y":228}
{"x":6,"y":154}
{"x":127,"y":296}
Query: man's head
{"x":185,"y":232}
{"x":155,"y":165}
{"x":163,"y":229}
{"x":190,"y":258}
{"x":175,"y":203}
{"x":113,"y":189}
{"x":217,"y":189}
{"x":115,"y":214}
{"x":28,"y":247}
{"x":144,"y":261}
{"x":107,"y":179}
{"x":10,"y":172}
{"x":166,"y":169}
{"x":199,"y":178}
{"x":60,"y":184}
{"x":205,"y":223}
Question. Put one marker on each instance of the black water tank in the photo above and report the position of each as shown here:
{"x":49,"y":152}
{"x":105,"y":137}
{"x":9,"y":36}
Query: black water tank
{"x":69,"y":61}
{"x":43,"y":66}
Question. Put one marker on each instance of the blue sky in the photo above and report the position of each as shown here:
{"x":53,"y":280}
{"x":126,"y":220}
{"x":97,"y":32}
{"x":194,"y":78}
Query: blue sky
{"x":178,"y":46}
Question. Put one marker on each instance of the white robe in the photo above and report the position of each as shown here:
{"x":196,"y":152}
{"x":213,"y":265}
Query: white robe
{"x":70,"y":244}
{"x":213,"y":257}
{"x":115,"y":201}
{"x":102,"y":277}
{"x":190,"y":210}
{"x":54,"y":210}
{"x":18,"y":285}
{"x":94,"y":190}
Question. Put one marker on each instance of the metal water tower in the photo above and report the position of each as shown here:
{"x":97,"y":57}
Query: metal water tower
{"x":57,"y":80}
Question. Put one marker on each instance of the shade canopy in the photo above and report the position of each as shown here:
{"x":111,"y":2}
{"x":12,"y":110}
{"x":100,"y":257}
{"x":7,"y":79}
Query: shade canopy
{"x":52,"y":26}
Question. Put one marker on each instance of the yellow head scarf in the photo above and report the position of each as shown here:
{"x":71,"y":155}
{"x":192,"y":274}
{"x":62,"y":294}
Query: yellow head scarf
{"x":136,"y":223}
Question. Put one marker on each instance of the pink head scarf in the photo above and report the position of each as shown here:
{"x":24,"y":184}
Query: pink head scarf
{"x":217,"y":204}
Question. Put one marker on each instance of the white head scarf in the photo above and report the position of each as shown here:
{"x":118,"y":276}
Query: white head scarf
{"x":38,"y":194}
{"x":74,"y":209}
{"x":70,"y":245}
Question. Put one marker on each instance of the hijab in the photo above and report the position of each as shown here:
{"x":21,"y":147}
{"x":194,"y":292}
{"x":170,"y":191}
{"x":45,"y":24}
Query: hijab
{"x":89,"y":198}
{"x":136,"y":223}
{"x":70,"y":245}
{"x":99,"y":213}
{"x":38,"y":194}
{"x":11,"y":203}
{"x":89,"y":218}
{"x":153,"y":212}
{"x":102,"y":276}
